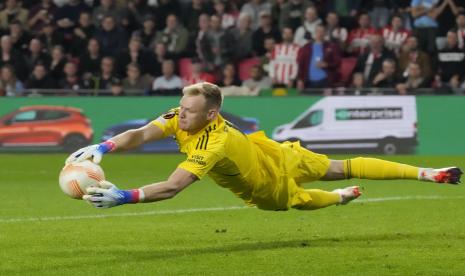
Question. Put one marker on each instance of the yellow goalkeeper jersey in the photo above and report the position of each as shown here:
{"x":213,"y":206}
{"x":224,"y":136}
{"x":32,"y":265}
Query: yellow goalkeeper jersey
{"x":257,"y":169}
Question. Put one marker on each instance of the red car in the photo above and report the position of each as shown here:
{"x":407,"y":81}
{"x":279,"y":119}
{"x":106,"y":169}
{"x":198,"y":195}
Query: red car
{"x":46,"y":126}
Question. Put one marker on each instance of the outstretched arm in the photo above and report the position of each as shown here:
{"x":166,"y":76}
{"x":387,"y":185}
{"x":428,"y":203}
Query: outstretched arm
{"x":108,"y":195}
{"x":177,"y":181}
{"x":136,"y":137}
{"x":124,"y":141}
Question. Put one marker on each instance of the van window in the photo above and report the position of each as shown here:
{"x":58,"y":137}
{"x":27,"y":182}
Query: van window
{"x":26,"y":116}
{"x":314,"y":118}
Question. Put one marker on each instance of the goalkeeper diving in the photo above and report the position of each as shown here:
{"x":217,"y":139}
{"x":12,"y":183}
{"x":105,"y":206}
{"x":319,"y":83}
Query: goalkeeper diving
{"x":260,"y":171}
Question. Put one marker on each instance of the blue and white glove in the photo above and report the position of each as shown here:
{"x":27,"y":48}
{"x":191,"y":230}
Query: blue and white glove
{"x":94,"y":151}
{"x":108,"y":195}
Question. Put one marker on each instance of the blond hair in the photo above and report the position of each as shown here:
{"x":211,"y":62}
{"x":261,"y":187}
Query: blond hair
{"x":210,"y":91}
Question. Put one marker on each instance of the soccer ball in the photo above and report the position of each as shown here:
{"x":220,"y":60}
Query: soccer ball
{"x":75,"y":178}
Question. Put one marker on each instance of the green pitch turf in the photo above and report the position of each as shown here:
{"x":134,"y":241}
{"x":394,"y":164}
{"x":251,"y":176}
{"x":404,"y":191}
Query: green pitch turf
{"x":396,"y":228}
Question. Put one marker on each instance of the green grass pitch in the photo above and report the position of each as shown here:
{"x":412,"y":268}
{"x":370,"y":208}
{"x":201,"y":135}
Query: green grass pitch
{"x":396,"y":227}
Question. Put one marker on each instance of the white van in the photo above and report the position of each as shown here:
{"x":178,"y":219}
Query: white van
{"x":386,"y":124}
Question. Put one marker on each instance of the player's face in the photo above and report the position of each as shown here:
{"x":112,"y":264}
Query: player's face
{"x":194,"y":114}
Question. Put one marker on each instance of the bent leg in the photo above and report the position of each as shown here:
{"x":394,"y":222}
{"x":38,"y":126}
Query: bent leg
{"x":314,"y":199}
{"x":335,"y":171}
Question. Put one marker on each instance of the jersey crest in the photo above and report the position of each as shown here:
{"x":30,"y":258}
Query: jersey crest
{"x":170,"y":114}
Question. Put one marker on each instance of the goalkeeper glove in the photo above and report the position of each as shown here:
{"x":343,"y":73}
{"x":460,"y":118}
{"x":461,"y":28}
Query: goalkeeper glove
{"x":94,"y":151}
{"x":107,"y":195}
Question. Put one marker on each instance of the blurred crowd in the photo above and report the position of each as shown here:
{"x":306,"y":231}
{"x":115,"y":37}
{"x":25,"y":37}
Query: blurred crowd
{"x":155,"y":47}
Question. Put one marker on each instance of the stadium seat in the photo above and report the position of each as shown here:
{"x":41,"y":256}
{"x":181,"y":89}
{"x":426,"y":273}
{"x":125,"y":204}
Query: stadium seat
{"x":347,"y":66}
{"x":185,"y":68}
{"x":245,"y":66}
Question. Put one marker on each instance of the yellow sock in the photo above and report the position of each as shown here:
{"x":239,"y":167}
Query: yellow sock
{"x":314,"y":199}
{"x":372,"y":168}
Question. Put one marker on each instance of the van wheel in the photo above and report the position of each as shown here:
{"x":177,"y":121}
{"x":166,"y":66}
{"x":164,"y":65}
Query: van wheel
{"x":389,"y":147}
{"x":74,"y":142}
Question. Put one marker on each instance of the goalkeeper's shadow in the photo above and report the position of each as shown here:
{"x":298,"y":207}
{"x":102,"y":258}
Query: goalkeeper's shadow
{"x":349,"y":241}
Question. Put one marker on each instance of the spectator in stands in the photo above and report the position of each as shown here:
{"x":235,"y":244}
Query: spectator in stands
{"x":19,"y":37}
{"x":9,"y":84}
{"x":89,"y":62}
{"x":265,"y":60}
{"x":192,"y":13}
{"x":253,"y":8}
{"x":454,"y":85}
{"x":168,"y":83}
{"x":156,"y":58}
{"x":82,"y":33}
{"x":395,"y":35}
{"x":459,"y":29}
{"x":198,"y":74}
{"x":214,"y":49}
{"x":229,"y":76}
{"x":112,"y":39}
{"x":203,"y":40}
{"x":103,"y":79}
{"x":387,"y":77}
{"x":135,"y":53}
{"x":306,"y":32}
{"x":57,"y":63}
{"x":319,"y":62}
{"x":283,"y":64}
{"x":116,"y":88}
{"x":414,"y":80}
{"x":41,"y":14}
{"x":107,"y":8}
{"x":148,"y":32}
{"x":174,"y":36}
{"x":370,"y":63}
{"x":266,"y":29}
{"x":163,"y":10}
{"x":71,"y":79}
{"x":12,"y":57}
{"x":379,"y":11}
{"x":357,"y":87}
{"x":411,"y":54}
{"x":334,"y":32}
{"x":292,"y":13}
{"x":359,"y":38}
{"x":276,"y":9}
{"x":40,"y":78}
{"x":451,"y":60}
{"x":258,"y":80}
{"x":12,"y":11}
{"x":36,"y":55}
{"x":403,"y":9}
{"x":446,"y":21}
{"x":346,"y":10}
{"x":135,"y":82}
{"x":222,"y":10}
{"x":239,"y":41}
{"x":50,"y":37}
{"x":425,"y":25}
{"x":67,"y":17}
{"x":136,"y":10}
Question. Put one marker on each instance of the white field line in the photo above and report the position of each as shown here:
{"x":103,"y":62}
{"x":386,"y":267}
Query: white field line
{"x":212,"y":209}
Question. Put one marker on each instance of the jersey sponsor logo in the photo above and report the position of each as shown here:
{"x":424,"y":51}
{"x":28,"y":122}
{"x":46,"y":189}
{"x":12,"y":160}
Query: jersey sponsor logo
{"x":198,"y":159}
{"x":388,"y":113}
